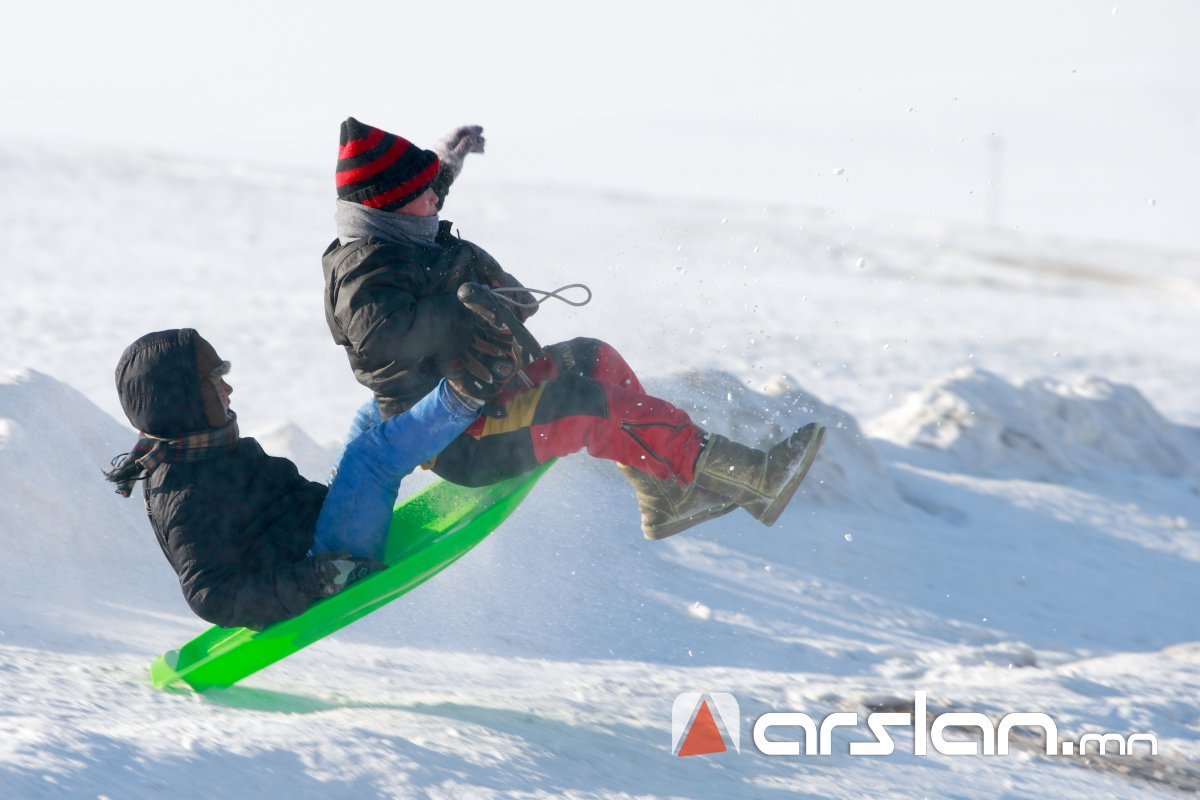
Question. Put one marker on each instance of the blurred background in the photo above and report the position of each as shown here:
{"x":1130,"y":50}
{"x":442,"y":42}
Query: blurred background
{"x":1075,"y":118}
{"x":961,"y":233}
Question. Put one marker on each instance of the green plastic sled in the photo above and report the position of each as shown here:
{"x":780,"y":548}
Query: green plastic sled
{"x":429,"y":532}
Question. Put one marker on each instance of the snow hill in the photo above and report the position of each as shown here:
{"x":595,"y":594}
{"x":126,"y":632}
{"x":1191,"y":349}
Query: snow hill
{"x":989,"y":522}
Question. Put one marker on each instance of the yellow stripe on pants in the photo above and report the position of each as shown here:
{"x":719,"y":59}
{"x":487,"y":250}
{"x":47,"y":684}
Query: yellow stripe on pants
{"x":518,"y":414}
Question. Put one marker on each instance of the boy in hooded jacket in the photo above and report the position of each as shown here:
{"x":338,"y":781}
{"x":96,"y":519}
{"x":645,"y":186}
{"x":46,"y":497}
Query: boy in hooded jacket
{"x":252,"y":541}
{"x":392,"y":278}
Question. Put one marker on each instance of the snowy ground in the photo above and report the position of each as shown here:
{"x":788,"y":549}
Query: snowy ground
{"x":1006,"y":515}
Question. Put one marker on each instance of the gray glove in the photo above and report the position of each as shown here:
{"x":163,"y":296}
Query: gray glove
{"x":326,"y":574}
{"x":453,"y":148}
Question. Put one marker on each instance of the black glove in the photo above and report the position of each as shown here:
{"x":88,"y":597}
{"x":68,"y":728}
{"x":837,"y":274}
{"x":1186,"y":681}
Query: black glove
{"x":489,"y":361}
{"x":497,"y":278}
{"x":326,"y":574}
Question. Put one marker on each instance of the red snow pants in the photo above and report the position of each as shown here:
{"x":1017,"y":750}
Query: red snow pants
{"x":584,"y":397}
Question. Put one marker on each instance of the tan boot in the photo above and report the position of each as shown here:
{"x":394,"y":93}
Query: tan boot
{"x":762,"y":483}
{"x":668,"y":507}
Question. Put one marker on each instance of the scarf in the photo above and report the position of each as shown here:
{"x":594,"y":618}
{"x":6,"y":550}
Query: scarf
{"x":150,"y":451}
{"x":356,"y":221}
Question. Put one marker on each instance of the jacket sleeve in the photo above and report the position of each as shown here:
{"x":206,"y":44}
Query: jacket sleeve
{"x":384,"y":319}
{"x":216,"y":583}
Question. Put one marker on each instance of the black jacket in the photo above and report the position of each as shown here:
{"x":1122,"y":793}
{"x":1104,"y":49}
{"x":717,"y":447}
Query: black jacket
{"x":394,"y":309}
{"x":237,"y":530}
{"x":237,"y":527}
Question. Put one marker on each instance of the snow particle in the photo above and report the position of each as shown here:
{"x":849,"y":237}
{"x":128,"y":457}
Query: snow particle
{"x":839,"y":171}
{"x":849,"y":537}
{"x":700,"y":611}
{"x":1152,"y":202}
{"x":861,"y":263}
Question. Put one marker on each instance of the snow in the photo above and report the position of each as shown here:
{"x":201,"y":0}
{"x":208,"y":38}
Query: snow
{"x":1043,"y":428}
{"x":1005,"y":514}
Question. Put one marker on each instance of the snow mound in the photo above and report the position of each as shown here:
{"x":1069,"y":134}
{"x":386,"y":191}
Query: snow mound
{"x":69,"y":540}
{"x":53,"y":450}
{"x":1042,"y":429}
{"x":847,"y":471}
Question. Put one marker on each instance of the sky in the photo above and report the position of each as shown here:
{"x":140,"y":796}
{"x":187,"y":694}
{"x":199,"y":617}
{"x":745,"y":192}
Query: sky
{"x":1075,"y":118}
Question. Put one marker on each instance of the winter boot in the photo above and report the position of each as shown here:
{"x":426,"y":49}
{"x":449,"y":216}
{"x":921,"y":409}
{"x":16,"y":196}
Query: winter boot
{"x":669,"y":507}
{"x":762,"y":483}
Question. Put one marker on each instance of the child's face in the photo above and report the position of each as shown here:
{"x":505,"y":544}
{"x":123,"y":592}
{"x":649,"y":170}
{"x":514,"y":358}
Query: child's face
{"x":425,"y":205}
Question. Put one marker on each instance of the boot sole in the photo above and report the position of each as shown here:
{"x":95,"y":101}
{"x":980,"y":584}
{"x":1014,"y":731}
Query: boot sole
{"x":679,"y":526}
{"x":769,"y":515}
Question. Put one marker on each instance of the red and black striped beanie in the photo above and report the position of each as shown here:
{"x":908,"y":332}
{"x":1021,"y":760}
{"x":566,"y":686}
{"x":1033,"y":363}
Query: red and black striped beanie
{"x":380,"y":169}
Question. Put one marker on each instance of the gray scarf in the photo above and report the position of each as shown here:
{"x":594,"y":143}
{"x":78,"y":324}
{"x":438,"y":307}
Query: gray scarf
{"x":356,"y":221}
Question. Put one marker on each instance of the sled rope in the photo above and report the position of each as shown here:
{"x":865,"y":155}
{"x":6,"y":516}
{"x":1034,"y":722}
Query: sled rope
{"x":556,"y":294}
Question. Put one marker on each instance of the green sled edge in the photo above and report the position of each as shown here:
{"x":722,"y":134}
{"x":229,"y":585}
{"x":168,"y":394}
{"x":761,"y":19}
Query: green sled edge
{"x":429,"y":532}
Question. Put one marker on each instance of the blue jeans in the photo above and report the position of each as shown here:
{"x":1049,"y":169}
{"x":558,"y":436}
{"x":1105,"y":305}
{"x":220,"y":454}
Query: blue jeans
{"x":378,"y":455}
{"x":366,"y":417}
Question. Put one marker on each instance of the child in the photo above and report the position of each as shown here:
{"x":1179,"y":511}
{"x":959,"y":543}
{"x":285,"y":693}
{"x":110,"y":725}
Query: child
{"x":391,"y":283}
{"x":252,"y":541}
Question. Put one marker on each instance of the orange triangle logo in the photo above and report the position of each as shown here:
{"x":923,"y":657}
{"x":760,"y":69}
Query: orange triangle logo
{"x":704,"y":736}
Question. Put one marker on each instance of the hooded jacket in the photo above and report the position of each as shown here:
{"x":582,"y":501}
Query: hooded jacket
{"x":236,"y":527}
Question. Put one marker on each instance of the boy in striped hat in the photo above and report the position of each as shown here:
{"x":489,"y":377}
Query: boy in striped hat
{"x":391,"y":283}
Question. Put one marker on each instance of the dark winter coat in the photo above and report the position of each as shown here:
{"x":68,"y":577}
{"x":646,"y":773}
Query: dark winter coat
{"x":393,"y":307}
{"x":237,"y":527}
